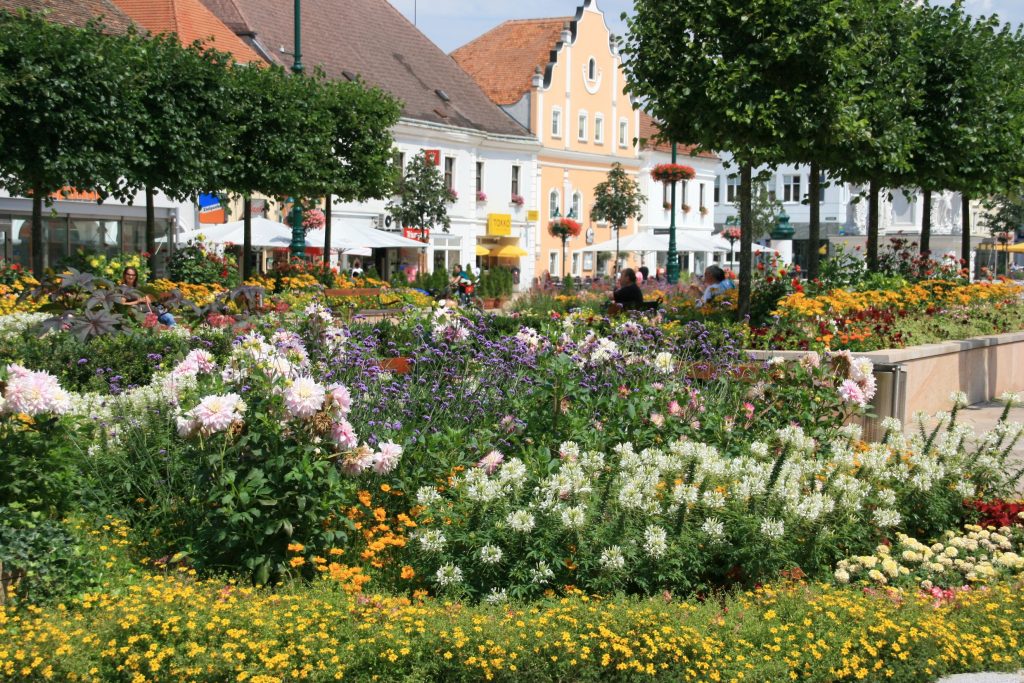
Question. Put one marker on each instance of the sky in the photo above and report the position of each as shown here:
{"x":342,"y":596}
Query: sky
{"x":453,"y":23}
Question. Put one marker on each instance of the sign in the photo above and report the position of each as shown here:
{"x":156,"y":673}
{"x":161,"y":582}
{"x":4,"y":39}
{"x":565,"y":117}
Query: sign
{"x":433,"y":156}
{"x":72,"y":195}
{"x":499,"y":224}
{"x":661,"y":231}
{"x":421,"y":234}
{"x":533,"y":215}
{"x":590,"y":235}
{"x":210,"y":209}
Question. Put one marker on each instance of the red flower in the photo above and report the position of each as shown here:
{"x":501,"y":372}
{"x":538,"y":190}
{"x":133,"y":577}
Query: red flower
{"x":564,"y":228}
{"x":671,"y":173}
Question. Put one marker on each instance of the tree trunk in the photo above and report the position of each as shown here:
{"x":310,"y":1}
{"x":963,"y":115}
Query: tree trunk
{"x":926,"y":223}
{"x":616,"y":268}
{"x":746,"y":237}
{"x":151,"y":229}
{"x":327,"y":231}
{"x":965,"y":237}
{"x":814,"y":228}
{"x":872,"y":255}
{"x":38,"y":248}
{"x":246,"y":237}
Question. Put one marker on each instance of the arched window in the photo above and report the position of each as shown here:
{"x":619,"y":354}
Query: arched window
{"x":577,"y":205}
{"x":592,"y":69}
{"x":554,"y":201}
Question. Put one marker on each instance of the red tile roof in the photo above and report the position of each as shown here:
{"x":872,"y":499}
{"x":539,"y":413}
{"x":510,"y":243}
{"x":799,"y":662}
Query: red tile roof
{"x":74,"y":12}
{"x":649,"y":140}
{"x":373,"y":40}
{"x":191,"y":21}
{"x":504,"y":59}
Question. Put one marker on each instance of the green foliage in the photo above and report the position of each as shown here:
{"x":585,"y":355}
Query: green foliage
{"x":195,"y":264}
{"x":495,"y":283}
{"x":42,"y":557}
{"x":40,"y":474}
{"x":764,"y":210}
{"x":423,"y":196}
{"x":617,"y":199}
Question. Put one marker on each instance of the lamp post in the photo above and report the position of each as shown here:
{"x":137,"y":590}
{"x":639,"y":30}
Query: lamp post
{"x":672,"y":267}
{"x":298,"y":243}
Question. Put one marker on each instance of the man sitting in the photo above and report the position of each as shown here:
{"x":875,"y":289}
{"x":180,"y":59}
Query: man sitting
{"x":628,"y":295}
{"x":714,"y":284}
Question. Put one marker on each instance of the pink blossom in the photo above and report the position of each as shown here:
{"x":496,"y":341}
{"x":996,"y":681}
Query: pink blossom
{"x":748,"y":408}
{"x":339,"y":397}
{"x":357,"y":461}
{"x":851,"y":392}
{"x":343,"y":434}
{"x":491,"y":462}
{"x":34,"y":393}
{"x":217,"y":413}
{"x":386,"y":458}
{"x":674,"y":409}
{"x":304,"y":397}
{"x":198,"y":360}
{"x":657,"y":419}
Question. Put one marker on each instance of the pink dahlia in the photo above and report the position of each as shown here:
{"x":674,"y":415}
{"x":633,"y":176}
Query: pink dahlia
{"x":491,"y":462}
{"x":343,"y":434}
{"x":851,"y":392}
{"x":34,"y":393}
{"x":217,"y":413}
{"x":304,"y":398}
{"x":340,"y":398}
{"x":386,"y":458}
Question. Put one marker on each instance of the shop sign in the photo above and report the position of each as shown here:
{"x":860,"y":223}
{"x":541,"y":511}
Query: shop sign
{"x":499,"y":224}
{"x":433,"y":156}
{"x":72,"y":195}
{"x":590,"y":235}
{"x":211,"y":211}
{"x":421,"y":234}
{"x":532,"y":215}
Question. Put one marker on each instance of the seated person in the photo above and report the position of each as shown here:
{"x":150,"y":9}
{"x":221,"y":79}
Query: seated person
{"x":714,"y":284}
{"x":629,"y":294}
{"x":130,"y":279}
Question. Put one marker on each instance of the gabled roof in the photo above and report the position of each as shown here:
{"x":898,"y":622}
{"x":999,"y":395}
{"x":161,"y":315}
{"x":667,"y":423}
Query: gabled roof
{"x":372,"y":40}
{"x":74,"y":12}
{"x":649,"y":140}
{"x":191,"y":21}
{"x":504,"y":59}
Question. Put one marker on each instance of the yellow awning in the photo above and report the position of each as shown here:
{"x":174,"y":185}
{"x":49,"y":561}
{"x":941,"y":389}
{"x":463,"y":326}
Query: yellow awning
{"x":1011,"y":248}
{"x":482,"y":251}
{"x":510,"y":251}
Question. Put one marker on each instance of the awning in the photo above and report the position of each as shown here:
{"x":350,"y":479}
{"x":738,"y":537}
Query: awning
{"x":509,"y":251}
{"x":355,"y":236}
{"x":482,"y":251}
{"x":265,"y":234}
{"x":1007,"y":248}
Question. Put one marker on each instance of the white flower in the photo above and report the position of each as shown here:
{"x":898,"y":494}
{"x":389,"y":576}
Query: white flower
{"x":842,"y":576}
{"x":541,"y":574}
{"x":612,"y":559}
{"x":1010,"y":398}
{"x":958,"y":399}
{"x":426,"y":495}
{"x":655,"y":541}
{"x":432,"y":540}
{"x":497,"y":596}
{"x":714,"y":528}
{"x":663,"y":362}
{"x":304,"y":397}
{"x":521,"y":521}
{"x":773,"y":528}
{"x":575,"y":517}
{"x":491,"y":554}
{"x":885,"y":518}
{"x":448,"y":575}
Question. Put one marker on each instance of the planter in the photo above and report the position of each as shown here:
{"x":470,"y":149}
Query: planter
{"x":921,"y":378}
{"x":398,"y":365}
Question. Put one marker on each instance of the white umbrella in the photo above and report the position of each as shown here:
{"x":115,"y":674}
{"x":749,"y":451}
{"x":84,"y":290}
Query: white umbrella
{"x":265,"y":234}
{"x":648,"y":241}
{"x":355,"y":236}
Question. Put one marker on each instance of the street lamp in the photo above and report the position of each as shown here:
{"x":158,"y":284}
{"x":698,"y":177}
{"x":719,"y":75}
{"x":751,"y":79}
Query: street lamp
{"x":672,"y":267}
{"x":298,"y":244}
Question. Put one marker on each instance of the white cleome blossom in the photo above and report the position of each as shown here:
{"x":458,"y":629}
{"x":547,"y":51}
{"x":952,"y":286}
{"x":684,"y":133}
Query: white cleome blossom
{"x":714,"y":528}
{"x":773,"y":528}
{"x":612,"y":559}
{"x":521,"y":521}
{"x":655,"y":541}
{"x":448,"y":575}
{"x":491,"y":554}
{"x":432,"y":540}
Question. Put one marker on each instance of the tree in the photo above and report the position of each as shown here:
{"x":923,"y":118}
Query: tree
{"x":764,"y":210}
{"x":181,"y":140}
{"x":423,"y":197}
{"x":65,"y":87}
{"x":617,"y":199}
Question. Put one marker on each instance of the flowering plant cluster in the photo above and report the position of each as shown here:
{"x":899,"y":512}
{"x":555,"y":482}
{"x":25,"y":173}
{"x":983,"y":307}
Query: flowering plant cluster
{"x":518,"y":199}
{"x":313,"y":219}
{"x":110,"y":267}
{"x":672,"y":173}
{"x":732,"y":234}
{"x":481,"y":196}
{"x":564,"y":228}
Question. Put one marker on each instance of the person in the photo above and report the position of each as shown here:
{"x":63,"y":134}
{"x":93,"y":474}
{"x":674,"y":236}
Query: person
{"x":357,"y":268}
{"x":628,"y":294}
{"x":645,"y":272}
{"x":130,"y":280}
{"x":471,"y":268}
{"x":715,"y":283}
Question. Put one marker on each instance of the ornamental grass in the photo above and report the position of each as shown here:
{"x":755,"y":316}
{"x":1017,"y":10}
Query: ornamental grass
{"x":174,"y":628}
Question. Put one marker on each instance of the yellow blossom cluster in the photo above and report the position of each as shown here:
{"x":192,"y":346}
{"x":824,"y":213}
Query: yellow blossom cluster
{"x":267,"y":283}
{"x":10,"y":301}
{"x":171,"y":628}
{"x":200,"y":295}
{"x":302,"y":281}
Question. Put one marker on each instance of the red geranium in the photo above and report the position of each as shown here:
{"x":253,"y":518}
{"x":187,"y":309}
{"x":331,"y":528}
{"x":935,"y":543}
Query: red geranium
{"x":564,"y":228}
{"x":672,"y":173}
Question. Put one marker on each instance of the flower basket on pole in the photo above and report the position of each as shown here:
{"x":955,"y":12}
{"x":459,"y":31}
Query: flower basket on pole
{"x":672,"y":173}
{"x":731,"y":234}
{"x":563,"y":229}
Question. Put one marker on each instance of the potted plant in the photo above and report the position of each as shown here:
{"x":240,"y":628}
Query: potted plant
{"x":703,"y":211}
{"x":563,"y":229}
{"x":518,"y":199}
{"x":453,"y":196}
{"x":672,"y":173}
{"x":667,"y":206}
{"x":481,"y":196}
{"x":685,"y":208}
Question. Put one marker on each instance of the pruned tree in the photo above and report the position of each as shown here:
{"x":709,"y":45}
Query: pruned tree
{"x":616,"y":200}
{"x":422,"y":196}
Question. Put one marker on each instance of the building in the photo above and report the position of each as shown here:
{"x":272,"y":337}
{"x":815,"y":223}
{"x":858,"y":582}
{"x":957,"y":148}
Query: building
{"x":487,"y":157}
{"x":562,"y":79}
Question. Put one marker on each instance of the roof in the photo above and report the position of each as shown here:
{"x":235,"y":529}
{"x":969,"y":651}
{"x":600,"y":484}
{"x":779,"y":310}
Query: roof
{"x":648,"y":140}
{"x":191,"y":21}
{"x":74,"y":12}
{"x":504,"y":59}
{"x":373,"y":40}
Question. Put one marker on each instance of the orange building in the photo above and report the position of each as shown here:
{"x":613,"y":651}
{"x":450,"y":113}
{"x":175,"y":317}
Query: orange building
{"x":562,"y":79}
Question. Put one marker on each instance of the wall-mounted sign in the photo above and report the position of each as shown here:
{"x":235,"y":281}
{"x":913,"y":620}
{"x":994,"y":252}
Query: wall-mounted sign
{"x":433,"y":156}
{"x":421,"y":234}
{"x":590,"y":235}
{"x":532,"y":215}
{"x":499,"y":224}
{"x":73,"y":195}
{"x":210,"y":209}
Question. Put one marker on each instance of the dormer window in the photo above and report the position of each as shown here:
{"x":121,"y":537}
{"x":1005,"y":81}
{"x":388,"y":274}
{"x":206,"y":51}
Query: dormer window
{"x":592,"y":69}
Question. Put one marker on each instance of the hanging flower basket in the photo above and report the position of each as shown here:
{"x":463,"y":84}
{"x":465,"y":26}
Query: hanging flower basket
{"x":672,"y":173}
{"x":731,"y":234}
{"x":564,"y":228}
{"x":313,"y":219}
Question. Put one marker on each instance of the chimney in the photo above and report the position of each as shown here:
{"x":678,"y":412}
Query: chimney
{"x":538,"y":78}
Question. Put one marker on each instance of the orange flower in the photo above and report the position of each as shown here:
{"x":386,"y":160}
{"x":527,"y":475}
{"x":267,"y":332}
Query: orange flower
{"x":408,"y":572}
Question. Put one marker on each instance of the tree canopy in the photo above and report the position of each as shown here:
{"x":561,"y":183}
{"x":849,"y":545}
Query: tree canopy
{"x":423,"y":197}
{"x":616,"y":200}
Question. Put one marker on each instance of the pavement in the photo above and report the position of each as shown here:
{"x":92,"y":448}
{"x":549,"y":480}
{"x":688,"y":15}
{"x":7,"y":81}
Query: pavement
{"x":984,"y":678}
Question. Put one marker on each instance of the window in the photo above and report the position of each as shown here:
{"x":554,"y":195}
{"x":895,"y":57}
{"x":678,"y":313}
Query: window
{"x":791,"y":188}
{"x":556,"y":122}
{"x":449,"y":172}
{"x":581,"y":131}
{"x":684,"y":192}
{"x":577,"y":206}
{"x":666,"y":195}
{"x":700,"y":187}
{"x":717,"y":192}
{"x":588,"y":261}
{"x":554,"y":201}
{"x":576,"y":263}
{"x":515,"y":180}
{"x":599,"y":129}
{"x":592,"y":69}
{"x":553,"y":263}
{"x":732,"y":189}
{"x":623,"y":132}
{"x":479,"y":176}
{"x":399,"y":161}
